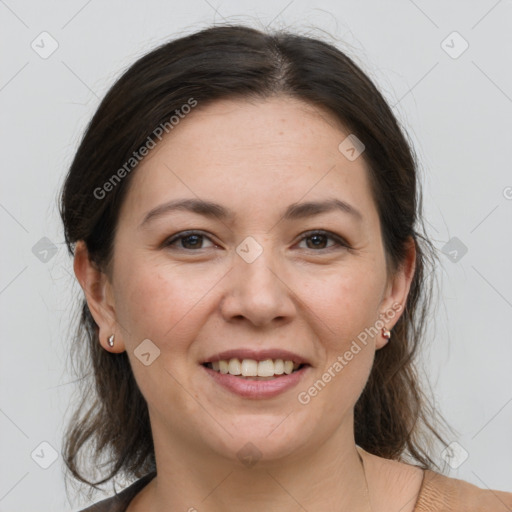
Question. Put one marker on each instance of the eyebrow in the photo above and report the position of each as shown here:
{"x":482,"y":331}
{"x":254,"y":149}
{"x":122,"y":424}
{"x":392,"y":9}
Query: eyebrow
{"x":215,"y":210}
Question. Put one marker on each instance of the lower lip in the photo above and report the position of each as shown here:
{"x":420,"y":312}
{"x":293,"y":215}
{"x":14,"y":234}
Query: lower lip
{"x":257,"y":389}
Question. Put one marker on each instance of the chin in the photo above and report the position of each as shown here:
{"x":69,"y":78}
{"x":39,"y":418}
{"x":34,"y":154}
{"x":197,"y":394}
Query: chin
{"x":264,"y":438}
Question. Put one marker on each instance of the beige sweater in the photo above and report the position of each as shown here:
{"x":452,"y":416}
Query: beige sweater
{"x":438,"y":493}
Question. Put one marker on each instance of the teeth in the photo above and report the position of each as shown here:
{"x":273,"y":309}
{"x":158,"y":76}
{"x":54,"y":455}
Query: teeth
{"x":234,"y":367}
{"x":253,"y":368}
{"x":288,"y":367}
{"x":265,"y":368}
{"x":249,"y":368}
{"x":279,"y":367}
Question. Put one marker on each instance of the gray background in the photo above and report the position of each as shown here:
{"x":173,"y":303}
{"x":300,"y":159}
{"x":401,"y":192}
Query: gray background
{"x":456,"y":108}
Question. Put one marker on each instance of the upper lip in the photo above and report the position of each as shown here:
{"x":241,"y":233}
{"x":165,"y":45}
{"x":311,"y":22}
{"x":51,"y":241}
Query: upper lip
{"x":257,"y":355}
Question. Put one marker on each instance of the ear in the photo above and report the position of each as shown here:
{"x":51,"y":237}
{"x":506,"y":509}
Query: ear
{"x":98,"y":293}
{"x":397,"y":291}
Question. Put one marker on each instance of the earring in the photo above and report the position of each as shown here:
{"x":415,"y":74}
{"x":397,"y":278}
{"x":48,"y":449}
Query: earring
{"x":111,"y":341}
{"x":386,"y":333}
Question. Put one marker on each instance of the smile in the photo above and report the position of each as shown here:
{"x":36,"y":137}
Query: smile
{"x":256,"y":387}
{"x":254,"y":370}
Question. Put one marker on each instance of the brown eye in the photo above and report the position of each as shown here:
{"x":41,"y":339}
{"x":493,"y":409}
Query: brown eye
{"x":189,"y":240}
{"x":319,"y":240}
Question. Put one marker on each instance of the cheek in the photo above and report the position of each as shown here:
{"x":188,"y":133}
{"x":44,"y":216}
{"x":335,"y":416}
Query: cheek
{"x":346,"y":301}
{"x":162,"y":304}
{"x":161,"y":301}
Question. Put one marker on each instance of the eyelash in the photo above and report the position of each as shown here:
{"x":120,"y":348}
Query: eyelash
{"x":341,"y":243}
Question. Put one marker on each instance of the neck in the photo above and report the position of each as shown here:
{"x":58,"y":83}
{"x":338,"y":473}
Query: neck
{"x":328,"y":477}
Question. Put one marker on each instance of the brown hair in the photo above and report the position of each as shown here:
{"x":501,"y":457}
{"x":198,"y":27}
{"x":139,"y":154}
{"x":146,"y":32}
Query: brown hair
{"x":393,"y":416}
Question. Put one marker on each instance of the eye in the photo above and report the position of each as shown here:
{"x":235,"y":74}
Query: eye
{"x":320,"y":238}
{"x":190,"y":240}
{"x":193,"y":240}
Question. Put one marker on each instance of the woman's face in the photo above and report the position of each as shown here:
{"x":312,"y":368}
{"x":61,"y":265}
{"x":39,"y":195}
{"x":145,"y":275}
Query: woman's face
{"x":252,"y":281}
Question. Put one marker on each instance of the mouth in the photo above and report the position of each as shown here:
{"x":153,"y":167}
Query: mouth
{"x":254,"y":374}
{"x":252,"y":369}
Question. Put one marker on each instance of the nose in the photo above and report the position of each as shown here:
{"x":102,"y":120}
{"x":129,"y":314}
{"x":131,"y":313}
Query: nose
{"x":258,"y":292}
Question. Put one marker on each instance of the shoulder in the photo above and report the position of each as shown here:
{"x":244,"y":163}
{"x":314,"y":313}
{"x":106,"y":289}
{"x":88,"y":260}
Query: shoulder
{"x":444,"y":494}
{"x":400,"y":486}
{"x":120,"y":501}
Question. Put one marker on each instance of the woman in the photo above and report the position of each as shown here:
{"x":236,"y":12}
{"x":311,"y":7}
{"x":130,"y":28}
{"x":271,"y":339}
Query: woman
{"x":245,"y":210}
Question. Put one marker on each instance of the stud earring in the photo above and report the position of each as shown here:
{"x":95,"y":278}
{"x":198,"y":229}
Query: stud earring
{"x":111,"y":341}
{"x":386,"y":333}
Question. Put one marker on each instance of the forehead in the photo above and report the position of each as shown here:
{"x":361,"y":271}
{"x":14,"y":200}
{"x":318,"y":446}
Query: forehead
{"x":251,"y":155}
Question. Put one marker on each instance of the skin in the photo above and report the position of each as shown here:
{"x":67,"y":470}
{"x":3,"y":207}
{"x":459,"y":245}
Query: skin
{"x":193,"y":299}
